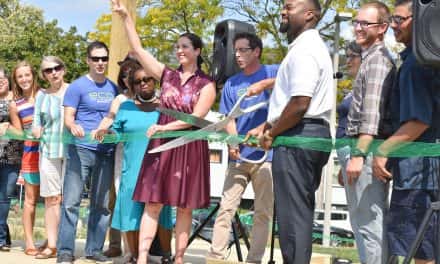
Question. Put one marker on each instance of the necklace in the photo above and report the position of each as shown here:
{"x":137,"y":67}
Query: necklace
{"x":142,"y":100}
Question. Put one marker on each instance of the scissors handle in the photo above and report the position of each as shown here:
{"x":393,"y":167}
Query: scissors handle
{"x":255,"y":161}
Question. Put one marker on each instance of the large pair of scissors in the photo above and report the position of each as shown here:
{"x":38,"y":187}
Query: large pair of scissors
{"x":208,"y":126}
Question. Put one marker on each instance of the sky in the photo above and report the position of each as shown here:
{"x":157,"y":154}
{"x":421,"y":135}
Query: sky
{"x":80,"y":13}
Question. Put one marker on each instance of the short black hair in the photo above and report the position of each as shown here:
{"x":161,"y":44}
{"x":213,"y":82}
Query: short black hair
{"x":354,"y":47}
{"x":254,"y":40}
{"x":404,"y":2}
{"x":96,"y":45}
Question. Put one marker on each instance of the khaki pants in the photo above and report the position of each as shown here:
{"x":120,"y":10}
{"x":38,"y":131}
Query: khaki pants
{"x":237,"y":178}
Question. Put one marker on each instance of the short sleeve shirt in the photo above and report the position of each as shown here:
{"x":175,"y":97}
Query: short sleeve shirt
{"x":92,"y":102}
{"x":306,"y":70}
{"x":233,"y":89}
{"x":416,"y":96}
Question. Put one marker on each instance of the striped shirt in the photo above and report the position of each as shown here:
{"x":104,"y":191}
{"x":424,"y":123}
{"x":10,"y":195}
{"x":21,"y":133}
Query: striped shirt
{"x":368,"y":110}
{"x":49,"y":115}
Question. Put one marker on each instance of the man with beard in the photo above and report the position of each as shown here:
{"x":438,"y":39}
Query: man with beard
{"x":86,"y":103}
{"x":368,"y":119}
{"x":300,"y":105}
{"x":415,"y":108}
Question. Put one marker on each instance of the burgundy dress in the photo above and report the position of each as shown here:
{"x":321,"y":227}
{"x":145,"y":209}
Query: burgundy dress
{"x":180,"y":176}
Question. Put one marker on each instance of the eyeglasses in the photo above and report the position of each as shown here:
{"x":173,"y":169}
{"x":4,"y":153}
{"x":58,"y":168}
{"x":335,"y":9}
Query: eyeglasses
{"x":144,"y":79}
{"x":242,"y":50}
{"x":364,"y":24}
{"x":352,"y":56}
{"x":97,"y":59}
{"x":398,"y":20}
{"x":56,"y":69}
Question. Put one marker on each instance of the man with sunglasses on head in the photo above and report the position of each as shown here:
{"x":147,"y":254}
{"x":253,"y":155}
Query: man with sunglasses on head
{"x":86,"y":103}
{"x":248,"y":49}
{"x":368,"y":120}
{"x":415,"y":108}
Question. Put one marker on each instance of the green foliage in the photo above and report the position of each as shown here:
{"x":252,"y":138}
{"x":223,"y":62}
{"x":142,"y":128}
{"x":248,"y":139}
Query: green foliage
{"x":160,"y":22}
{"x":24,"y":35}
{"x":265,"y":16}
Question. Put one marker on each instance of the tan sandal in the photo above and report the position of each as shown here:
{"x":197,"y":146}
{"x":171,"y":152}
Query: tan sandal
{"x":31,"y":251}
{"x":44,"y":255}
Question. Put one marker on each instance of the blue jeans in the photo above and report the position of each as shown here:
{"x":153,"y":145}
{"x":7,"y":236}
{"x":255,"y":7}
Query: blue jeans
{"x":82,"y":163}
{"x":367,"y":201}
{"x":8,"y":178}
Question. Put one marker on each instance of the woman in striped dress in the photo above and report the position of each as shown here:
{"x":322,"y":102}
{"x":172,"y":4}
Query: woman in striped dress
{"x":24,"y":88}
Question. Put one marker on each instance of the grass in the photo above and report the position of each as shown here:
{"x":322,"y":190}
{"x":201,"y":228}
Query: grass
{"x":16,"y":227}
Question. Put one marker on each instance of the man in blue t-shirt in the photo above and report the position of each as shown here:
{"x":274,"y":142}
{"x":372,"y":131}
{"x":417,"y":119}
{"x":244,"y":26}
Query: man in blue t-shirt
{"x":248,"y":48}
{"x":415,"y":108}
{"x":86,"y":102}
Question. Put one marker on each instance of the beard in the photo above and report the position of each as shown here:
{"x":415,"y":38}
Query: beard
{"x":284,"y":27}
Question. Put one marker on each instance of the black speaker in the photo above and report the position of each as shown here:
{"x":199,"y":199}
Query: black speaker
{"x":426,"y":33}
{"x":224,"y":64}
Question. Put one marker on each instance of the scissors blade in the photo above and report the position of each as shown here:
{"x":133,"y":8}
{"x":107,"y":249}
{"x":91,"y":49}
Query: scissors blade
{"x":187,"y":118}
{"x":172,"y":144}
{"x":214,"y":127}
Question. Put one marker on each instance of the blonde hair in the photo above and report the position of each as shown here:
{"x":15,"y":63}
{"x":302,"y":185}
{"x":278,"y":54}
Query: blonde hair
{"x":16,"y":89}
{"x":50,"y":59}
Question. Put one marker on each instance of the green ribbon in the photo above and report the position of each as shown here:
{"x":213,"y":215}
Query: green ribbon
{"x":411,"y":149}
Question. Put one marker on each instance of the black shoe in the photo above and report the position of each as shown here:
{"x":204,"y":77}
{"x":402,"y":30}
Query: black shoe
{"x":5,"y":247}
{"x":64,"y":259}
{"x":98,"y":258}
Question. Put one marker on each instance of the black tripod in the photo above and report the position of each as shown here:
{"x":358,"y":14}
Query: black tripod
{"x":237,"y":229}
{"x":435,"y":207}
{"x":272,"y":240}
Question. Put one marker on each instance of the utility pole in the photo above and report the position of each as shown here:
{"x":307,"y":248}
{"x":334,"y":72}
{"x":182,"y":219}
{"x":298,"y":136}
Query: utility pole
{"x":328,"y":182}
{"x":119,"y":46}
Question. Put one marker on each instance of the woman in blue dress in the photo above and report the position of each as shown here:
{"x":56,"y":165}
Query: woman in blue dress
{"x":132,"y":121}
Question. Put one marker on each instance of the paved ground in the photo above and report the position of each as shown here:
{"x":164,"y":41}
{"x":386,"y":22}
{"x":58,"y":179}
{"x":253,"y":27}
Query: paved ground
{"x":195,"y":255}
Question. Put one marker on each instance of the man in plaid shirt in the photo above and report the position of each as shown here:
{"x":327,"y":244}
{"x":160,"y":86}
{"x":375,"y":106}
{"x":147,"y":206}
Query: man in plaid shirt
{"x":367,"y":120}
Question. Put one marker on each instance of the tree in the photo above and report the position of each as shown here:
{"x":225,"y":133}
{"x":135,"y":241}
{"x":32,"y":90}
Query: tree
{"x":24,"y":35}
{"x":160,"y":22}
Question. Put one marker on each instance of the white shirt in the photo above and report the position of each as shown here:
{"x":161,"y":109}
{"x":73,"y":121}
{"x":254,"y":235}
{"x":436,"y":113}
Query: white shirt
{"x":305,"y":71}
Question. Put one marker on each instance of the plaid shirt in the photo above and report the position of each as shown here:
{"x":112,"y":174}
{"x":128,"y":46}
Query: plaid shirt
{"x":368,"y":111}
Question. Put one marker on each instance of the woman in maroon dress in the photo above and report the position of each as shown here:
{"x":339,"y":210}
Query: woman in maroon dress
{"x":177,"y":177}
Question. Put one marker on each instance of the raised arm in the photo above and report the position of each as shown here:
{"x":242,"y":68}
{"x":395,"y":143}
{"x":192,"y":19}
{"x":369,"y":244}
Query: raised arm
{"x":151,"y":65}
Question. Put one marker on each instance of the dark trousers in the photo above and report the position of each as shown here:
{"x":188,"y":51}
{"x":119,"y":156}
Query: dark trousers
{"x":296,"y":175}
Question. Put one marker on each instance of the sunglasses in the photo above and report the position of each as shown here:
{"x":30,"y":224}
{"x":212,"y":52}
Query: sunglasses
{"x":144,"y":79}
{"x":56,"y":69}
{"x":97,"y":59}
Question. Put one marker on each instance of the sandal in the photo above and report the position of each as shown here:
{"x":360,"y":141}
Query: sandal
{"x":31,"y":251}
{"x":43,"y":246}
{"x":44,"y":255}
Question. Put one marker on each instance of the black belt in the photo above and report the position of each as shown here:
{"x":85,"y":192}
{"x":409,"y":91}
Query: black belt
{"x":318,"y":121}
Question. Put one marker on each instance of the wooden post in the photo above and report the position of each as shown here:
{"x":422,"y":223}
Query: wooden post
{"x":119,"y":46}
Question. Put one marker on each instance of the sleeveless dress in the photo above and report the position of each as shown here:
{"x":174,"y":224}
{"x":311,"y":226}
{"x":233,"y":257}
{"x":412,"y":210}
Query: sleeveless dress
{"x":29,"y":163}
{"x":180,"y":176}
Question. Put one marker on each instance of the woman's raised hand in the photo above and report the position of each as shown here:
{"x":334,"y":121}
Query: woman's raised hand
{"x":119,"y":8}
